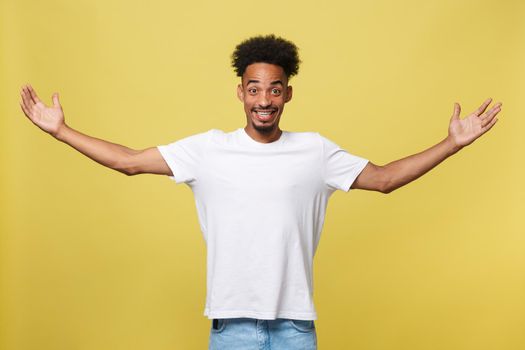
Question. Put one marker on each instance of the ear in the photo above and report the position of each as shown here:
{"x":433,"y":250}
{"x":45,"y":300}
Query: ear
{"x":289,"y":93}
{"x":240,"y":92}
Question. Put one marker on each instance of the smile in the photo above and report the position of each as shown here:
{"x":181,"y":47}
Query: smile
{"x":264,"y":115}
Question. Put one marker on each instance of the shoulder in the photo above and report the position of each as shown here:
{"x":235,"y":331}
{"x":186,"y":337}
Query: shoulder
{"x":194,"y":141}
{"x":327,"y":144}
{"x":199,"y":137}
{"x":308,"y":136}
{"x":218,"y":136}
{"x":315,"y":139}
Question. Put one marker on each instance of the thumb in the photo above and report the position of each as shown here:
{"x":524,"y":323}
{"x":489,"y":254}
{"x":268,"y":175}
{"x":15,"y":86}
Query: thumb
{"x":457,"y":111}
{"x":56,"y":102}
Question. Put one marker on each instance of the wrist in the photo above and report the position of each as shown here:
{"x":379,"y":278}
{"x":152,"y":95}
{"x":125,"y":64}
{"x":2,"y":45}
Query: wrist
{"x":60,"y":133}
{"x":452,"y":146}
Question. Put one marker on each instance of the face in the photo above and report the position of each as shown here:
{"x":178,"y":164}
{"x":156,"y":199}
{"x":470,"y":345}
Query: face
{"x":264,"y":90}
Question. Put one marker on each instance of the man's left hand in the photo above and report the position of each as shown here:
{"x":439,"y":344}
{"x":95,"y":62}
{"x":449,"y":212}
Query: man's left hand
{"x":462,"y":132}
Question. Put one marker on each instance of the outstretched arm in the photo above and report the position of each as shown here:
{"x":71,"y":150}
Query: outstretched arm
{"x":120,"y":158}
{"x":461,"y":133}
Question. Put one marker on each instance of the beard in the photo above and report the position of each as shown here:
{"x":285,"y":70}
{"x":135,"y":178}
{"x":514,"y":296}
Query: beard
{"x":264,"y":129}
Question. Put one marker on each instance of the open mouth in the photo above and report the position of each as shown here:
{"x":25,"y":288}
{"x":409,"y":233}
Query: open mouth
{"x":264,"y":114}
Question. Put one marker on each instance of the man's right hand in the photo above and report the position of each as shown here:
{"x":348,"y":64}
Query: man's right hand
{"x":112,"y":155}
{"x":48,"y":118}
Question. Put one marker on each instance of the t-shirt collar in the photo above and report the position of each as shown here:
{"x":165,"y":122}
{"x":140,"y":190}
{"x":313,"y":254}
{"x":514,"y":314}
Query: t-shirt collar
{"x":247,"y":140}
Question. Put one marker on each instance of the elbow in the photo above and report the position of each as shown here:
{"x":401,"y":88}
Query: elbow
{"x":386,"y":184}
{"x":390,"y":186}
{"x":375,"y":178}
{"x":130,"y":171}
{"x":386,"y":189}
{"x":125,"y":171}
{"x":126,"y":167}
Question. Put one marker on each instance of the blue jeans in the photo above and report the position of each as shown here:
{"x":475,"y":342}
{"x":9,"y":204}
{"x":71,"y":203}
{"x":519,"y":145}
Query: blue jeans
{"x":255,"y":334}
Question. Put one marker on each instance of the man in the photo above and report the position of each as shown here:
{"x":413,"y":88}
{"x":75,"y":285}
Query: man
{"x":261,"y":195}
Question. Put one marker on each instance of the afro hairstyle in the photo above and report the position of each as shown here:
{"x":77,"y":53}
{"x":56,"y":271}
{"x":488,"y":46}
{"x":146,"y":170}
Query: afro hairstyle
{"x":267,"y":49}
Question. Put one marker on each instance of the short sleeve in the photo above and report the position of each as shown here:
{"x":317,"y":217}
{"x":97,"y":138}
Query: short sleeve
{"x":184,"y":156}
{"x":340,"y":167}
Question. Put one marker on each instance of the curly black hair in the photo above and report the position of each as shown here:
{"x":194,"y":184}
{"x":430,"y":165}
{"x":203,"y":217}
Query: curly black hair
{"x":267,"y":49}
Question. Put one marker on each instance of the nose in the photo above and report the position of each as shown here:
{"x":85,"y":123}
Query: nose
{"x":264,"y":100}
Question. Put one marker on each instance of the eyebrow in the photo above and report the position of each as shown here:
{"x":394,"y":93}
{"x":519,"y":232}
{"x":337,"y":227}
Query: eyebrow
{"x":276,"y":82}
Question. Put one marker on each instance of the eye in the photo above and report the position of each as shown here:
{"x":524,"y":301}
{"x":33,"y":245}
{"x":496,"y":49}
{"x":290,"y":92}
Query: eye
{"x":252,"y":90}
{"x":276,"y":91}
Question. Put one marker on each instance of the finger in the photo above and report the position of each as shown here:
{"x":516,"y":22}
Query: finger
{"x":56,"y":102}
{"x":488,"y":119}
{"x":483,"y":106}
{"x":457,"y":111}
{"x":32,"y":92}
{"x":490,"y":111}
{"x":490,"y":125}
{"x":29,"y":99}
{"x":28,"y":102}
{"x":26,"y":112}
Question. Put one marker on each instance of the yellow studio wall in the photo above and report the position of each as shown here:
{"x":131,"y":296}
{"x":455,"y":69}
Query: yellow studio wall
{"x":91,"y":259}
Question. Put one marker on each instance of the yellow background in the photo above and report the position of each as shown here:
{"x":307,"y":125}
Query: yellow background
{"x":92,"y":259}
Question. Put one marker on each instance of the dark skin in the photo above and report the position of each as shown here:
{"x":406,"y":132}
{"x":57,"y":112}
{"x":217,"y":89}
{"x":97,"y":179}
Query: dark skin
{"x":264,"y":86}
{"x":264,"y":91}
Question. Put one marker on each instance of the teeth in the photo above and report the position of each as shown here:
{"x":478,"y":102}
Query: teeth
{"x":264,"y":116}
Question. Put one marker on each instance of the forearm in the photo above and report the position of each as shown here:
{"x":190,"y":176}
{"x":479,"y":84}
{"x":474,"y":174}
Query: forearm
{"x":109,"y":154}
{"x":405,"y":170}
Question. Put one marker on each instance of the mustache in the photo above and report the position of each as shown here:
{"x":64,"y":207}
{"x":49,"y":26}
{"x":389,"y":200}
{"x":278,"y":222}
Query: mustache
{"x":266,"y":108}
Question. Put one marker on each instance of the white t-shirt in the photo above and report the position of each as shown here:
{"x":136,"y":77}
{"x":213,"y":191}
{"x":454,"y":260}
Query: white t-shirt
{"x":261,"y":209}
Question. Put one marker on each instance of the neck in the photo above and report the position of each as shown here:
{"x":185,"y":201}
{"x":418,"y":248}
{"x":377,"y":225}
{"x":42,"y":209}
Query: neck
{"x":263,"y":136}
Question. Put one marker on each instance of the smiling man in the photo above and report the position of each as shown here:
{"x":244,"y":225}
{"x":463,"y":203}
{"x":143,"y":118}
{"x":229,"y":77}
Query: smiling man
{"x":264,"y":90}
{"x":261,"y":195}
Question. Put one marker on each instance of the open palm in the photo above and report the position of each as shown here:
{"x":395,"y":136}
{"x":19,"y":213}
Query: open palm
{"x":464,"y":131}
{"x":47,"y":118}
